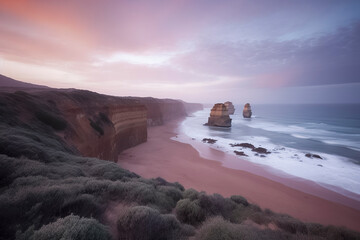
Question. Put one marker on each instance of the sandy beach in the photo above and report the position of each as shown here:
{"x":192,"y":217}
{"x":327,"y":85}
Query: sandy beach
{"x":174,"y":161}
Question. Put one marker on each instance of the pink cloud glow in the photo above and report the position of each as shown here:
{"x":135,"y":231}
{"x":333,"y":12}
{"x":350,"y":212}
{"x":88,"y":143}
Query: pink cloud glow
{"x":181,"y":49}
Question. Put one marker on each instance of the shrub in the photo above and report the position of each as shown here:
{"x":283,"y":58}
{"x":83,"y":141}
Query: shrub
{"x":239,"y":200}
{"x":162,"y":182}
{"x":172,"y":192}
{"x":218,"y":228}
{"x":142,"y":223}
{"x":259,"y":218}
{"x":289,"y":224}
{"x":331,"y":232}
{"x":84,"y":205}
{"x":56,"y":122}
{"x":70,"y":227}
{"x":191,"y":193}
{"x":190,"y":212}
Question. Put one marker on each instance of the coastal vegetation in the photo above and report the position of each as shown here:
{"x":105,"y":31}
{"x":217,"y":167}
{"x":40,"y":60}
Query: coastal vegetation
{"x":49,"y":191}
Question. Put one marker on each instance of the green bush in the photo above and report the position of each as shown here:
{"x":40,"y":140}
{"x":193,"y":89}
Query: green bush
{"x":70,"y":227}
{"x":81,"y":205}
{"x":189,"y":212}
{"x":56,"y":122}
{"x":239,"y":200}
{"x":331,"y":232}
{"x":143,"y":223}
{"x":191,"y":193}
{"x":289,"y":224}
{"x":218,"y":228}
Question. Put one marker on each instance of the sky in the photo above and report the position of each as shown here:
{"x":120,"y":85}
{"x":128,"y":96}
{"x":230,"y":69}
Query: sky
{"x":257,"y":51}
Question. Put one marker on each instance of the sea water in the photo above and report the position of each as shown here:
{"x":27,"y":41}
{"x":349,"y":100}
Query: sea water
{"x":289,"y":132}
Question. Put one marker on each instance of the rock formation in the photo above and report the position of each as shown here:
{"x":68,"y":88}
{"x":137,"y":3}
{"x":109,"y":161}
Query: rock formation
{"x":92,"y":124}
{"x":230,"y":107}
{"x":219,"y":116}
{"x":247,"y":111}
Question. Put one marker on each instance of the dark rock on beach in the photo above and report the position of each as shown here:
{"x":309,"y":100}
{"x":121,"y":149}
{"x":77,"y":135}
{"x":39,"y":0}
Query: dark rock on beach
{"x":209,"y":140}
{"x":240,"y":153}
{"x":245,"y":145}
{"x":261,"y":150}
{"x":310,"y":155}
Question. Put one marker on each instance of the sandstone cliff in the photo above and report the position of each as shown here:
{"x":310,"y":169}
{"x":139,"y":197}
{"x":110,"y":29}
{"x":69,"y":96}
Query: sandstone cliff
{"x":230,"y":107}
{"x":92,"y":124}
{"x":219,"y":116}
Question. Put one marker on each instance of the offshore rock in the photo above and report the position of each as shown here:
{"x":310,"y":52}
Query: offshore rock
{"x":247,"y":111}
{"x":219,"y":116}
{"x":230,"y":107}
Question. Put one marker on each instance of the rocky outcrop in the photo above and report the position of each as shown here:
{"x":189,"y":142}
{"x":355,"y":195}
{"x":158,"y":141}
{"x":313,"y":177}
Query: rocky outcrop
{"x":219,"y":116}
{"x":247,"y":111}
{"x":230,"y":107}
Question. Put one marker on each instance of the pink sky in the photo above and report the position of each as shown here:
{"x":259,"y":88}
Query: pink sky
{"x":201,"y":51}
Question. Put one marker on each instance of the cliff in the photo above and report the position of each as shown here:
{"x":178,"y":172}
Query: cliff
{"x":92,"y":124}
{"x":219,"y":116}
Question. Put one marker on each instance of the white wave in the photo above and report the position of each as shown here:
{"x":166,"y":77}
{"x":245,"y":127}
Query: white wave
{"x":300,"y":136}
{"x":333,"y":170}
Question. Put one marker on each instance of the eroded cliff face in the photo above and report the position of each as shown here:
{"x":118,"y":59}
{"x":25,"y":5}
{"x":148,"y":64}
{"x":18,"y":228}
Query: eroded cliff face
{"x":98,"y":125}
{"x":92,"y":124}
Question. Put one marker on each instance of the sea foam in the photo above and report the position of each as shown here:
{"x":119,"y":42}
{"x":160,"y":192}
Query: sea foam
{"x":331,"y":170}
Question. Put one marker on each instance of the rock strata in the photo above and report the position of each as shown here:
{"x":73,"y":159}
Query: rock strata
{"x":219,"y":116}
{"x":247,"y":111}
{"x":230,"y":107}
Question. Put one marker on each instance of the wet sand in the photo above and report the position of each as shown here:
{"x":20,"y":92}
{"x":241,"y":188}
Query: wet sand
{"x":180,"y":162}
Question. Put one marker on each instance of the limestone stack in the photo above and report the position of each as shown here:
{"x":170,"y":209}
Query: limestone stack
{"x":219,"y":116}
{"x":247,"y":111}
{"x":230,"y":107}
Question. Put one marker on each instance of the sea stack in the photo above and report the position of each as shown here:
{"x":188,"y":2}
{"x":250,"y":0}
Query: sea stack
{"x":219,"y":116}
{"x":247,"y":111}
{"x":230,"y":107}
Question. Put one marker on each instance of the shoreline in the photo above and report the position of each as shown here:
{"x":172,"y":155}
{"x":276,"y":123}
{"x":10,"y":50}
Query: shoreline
{"x":326,"y":191}
{"x":162,"y":156}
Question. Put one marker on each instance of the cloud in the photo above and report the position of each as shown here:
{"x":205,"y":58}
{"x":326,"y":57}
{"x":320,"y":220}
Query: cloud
{"x":169,"y":48}
{"x":326,"y":59}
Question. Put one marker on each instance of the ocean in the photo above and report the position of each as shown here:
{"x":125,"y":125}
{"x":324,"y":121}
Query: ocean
{"x":289,"y":132}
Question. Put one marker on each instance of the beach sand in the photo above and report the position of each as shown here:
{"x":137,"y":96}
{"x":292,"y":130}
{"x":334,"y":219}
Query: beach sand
{"x":180,"y":162}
